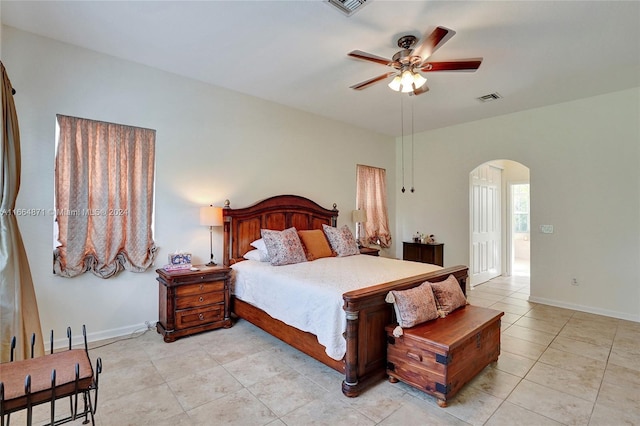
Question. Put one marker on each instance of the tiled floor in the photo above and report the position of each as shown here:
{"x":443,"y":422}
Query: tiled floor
{"x":556,"y":367}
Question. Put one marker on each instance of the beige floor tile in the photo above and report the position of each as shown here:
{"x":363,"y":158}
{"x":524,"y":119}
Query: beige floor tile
{"x":326,"y":411}
{"x":510,"y":414}
{"x":123,"y":381}
{"x":550,"y":403}
{"x":583,"y":383}
{"x":514,"y":364}
{"x":619,"y":397}
{"x":595,"y":335}
{"x":552,"y":327}
{"x":238,"y":408}
{"x":178,"y":365}
{"x":530,"y":335}
{"x":510,"y":308}
{"x":571,"y":361}
{"x":472,"y":405}
{"x":142,"y":407}
{"x":204,"y":386}
{"x":495,"y":381}
{"x":286,"y":392}
{"x":378,"y":402}
{"x":509,"y":318}
{"x":622,"y":376}
{"x":416,"y":411}
{"x":521,"y":347}
{"x":578,"y":347}
{"x":607,"y":416}
{"x":257,"y":367}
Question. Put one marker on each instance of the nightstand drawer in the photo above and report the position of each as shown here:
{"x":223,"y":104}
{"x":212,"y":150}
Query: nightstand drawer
{"x":198,"y":300}
{"x":194,"y":317}
{"x":192,"y":278}
{"x":195,"y":289}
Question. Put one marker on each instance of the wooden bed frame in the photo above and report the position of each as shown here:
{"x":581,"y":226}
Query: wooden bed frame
{"x":366,"y":311}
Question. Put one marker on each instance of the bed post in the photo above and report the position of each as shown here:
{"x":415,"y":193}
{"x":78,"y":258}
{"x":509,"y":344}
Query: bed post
{"x":334,"y":218}
{"x":226,"y":244}
{"x":350,"y":383}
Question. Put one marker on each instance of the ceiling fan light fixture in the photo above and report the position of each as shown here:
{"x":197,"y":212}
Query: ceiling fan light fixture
{"x":406,"y":79}
{"x":418,"y":80}
{"x":395,"y":83}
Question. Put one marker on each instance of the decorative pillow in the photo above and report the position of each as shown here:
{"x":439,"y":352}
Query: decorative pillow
{"x":284,"y":247}
{"x":341,"y":240}
{"x":449,"y":295}
{"x":256,"y":255}
{"x":315,"y":244}
{"x":413,"y":306}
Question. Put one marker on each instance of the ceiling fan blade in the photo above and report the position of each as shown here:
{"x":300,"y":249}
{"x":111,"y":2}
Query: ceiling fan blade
{"x":358,"y":54}
{"x":371,"y":81}
{"x":468,"y":65}
{"x":431,"y":43}
{"x":420,"y":90}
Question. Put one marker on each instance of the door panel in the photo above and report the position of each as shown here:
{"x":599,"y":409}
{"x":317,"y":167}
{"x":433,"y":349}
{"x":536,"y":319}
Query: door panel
{"x":485,"y":183}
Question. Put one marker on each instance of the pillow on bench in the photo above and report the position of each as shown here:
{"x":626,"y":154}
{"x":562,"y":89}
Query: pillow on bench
{"x":413,"y":306}
{"x":449,"y":295}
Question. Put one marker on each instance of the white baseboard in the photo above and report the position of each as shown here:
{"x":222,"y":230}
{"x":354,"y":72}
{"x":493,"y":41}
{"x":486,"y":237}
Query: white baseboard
{"x":588,"y":309}
{"x":77,"y":339}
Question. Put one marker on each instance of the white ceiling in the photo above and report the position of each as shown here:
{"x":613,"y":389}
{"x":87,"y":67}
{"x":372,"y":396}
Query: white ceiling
{"x":295,"y":52}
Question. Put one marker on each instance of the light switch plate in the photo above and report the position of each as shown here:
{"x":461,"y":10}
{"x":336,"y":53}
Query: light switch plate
{"x":546,"y":229}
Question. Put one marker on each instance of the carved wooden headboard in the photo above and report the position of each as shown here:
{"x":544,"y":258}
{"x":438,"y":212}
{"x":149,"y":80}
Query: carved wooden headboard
{"x":242,"y":226}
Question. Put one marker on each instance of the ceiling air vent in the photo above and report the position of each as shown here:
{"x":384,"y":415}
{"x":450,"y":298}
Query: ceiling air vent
{"x":490,"y":97}
{"x":348,"y":7}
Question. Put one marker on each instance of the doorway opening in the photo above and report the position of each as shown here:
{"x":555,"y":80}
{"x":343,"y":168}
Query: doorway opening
{"x":499,"y":221}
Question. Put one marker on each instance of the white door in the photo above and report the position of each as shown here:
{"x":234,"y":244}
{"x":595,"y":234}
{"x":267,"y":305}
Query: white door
{"x":485,"y":205}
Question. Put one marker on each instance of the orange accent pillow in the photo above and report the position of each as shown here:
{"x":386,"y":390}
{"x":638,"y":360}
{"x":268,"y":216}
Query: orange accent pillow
{"x":315,"y":244}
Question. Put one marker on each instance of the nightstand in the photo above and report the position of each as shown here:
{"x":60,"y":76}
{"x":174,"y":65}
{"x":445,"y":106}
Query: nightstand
{"x":193,"y":301}
{"x":370,"y":251}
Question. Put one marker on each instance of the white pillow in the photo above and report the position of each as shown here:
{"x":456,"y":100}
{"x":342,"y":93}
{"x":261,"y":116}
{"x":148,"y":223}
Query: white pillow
{"x":260,"y":245}
{"x":256,"y":255}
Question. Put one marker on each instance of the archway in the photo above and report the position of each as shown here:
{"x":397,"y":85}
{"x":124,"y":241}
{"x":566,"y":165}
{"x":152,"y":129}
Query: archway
{"x":498,"y":221}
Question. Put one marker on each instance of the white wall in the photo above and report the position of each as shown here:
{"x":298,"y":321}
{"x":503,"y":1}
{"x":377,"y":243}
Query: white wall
{"x":584,"y":161}
{"x":212,"y":144}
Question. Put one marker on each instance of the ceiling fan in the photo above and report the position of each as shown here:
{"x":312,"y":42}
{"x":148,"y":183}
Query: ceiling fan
{"x":412,"y":60}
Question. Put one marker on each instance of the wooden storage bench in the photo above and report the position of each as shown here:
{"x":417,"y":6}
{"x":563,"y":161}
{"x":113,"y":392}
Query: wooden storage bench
{"x":440,"y":356}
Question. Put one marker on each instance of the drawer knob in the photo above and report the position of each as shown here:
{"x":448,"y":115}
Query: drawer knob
{"x":201,"y":299}
{"x":201,"y":317}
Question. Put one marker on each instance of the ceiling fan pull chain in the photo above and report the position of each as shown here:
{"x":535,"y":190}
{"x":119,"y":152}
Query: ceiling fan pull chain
{"x":402,"y":138}
{"x":412,"y":156}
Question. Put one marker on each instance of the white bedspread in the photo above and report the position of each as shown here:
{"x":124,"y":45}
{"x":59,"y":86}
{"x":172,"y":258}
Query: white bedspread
{"x":308,"y":295}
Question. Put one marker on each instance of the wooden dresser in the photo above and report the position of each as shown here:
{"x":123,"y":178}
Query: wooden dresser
{"x":193,"y":301}
{"x":425,"y":253}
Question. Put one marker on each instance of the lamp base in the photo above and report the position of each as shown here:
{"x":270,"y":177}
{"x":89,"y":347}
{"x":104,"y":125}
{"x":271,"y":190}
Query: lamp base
{"x":211,"y":263}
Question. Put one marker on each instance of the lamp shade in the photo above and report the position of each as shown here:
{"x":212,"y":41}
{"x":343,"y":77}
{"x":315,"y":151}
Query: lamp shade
{"x":211,"y":216}
{"x":359,"y":216}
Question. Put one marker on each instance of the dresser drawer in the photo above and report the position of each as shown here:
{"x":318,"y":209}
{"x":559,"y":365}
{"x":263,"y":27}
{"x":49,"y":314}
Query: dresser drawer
{"x":194,"y":278}
{"x":199,"y":316}
{"x":198,"y":300}
{"x":203,"y":287}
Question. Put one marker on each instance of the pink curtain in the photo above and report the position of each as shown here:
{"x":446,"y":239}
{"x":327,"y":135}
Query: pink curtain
{"x":18,"y":305}
{"x":371,"y":196}
{"x":104,"y":181}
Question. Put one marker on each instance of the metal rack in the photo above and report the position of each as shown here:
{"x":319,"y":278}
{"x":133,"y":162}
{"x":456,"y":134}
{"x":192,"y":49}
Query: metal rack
{"x":71,"y":375}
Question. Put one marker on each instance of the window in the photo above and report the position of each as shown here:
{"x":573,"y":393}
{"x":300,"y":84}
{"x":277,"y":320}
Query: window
{"x":520,"y":196}
{"x":104,"y":178}
{"x":371,"y":196}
